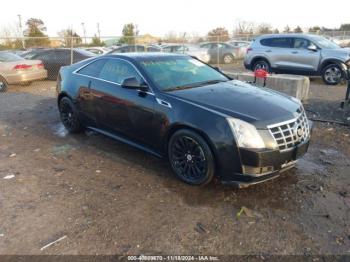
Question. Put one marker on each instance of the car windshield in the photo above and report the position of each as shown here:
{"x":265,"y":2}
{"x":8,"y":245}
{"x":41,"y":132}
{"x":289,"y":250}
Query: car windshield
{"x":325,"y":43}
{"x":173,"y":73}
{"x":9,"y":57}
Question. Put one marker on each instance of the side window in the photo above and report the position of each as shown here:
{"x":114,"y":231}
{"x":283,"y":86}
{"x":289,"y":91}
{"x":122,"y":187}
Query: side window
{"x":282,"y":42}
{"x":116,"y":70}
{"x":93,"y":69}
{"x":301,"y":43}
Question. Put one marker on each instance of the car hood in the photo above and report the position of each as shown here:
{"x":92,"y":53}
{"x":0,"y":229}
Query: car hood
{"x":256,"y":105}
{"x":341,"y":53}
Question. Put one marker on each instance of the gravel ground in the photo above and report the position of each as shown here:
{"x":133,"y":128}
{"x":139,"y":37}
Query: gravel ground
{"x":99,"y":196}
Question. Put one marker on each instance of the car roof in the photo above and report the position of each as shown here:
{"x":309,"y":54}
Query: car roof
{"x":285,"y":35}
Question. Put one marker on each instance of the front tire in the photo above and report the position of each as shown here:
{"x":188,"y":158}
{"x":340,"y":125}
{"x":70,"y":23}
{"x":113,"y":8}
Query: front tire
{"x":69,"y":116}
{"x":3,"y":84}
{"x":332,"y":74}
{"x":191,"y":158}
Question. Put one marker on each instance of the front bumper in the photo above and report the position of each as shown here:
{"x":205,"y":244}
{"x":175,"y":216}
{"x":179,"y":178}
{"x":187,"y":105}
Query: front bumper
{"x":277,"y":161}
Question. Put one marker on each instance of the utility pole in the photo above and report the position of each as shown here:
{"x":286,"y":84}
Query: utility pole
{"x":84,"y":31}
{"x":98,"y":31}
{"x":20,"y":29}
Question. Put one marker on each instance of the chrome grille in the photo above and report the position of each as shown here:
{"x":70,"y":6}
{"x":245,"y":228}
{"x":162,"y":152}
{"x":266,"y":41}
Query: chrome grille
{"x":291,"y":133}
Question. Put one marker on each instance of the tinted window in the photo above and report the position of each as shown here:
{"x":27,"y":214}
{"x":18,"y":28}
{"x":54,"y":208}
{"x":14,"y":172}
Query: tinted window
{"x":116,"y":70}
{"x":301,"y":43}
{"x":283,"y":42}
{"x":46,"y":56}
{"x":93,"y":69}
{"x":63,"y":56}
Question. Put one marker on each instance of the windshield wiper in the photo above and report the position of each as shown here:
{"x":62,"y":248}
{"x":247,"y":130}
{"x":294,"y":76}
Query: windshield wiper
{"x":203,"y":83}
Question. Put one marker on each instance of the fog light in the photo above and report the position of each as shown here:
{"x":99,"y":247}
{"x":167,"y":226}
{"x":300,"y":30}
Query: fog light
{"x":257,"y":171}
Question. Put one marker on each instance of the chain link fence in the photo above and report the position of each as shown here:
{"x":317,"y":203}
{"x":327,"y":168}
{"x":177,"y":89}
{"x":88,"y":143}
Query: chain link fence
{"x":50,"y":53}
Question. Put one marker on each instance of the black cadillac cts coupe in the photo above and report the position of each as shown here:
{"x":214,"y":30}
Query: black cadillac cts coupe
{"x":177,"y":107}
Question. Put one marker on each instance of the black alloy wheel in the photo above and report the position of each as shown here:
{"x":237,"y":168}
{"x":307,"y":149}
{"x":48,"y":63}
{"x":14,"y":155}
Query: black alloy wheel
{"x":191,"y":158}
{"x":69,"y":115}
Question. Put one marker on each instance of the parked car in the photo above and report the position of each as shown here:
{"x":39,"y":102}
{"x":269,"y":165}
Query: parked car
{"x":192,"y":50}
{"x":16,"y":70}
{"x":221,"y":52}
{"x":54,"y":58}
{"x":98,"y":50}
{"x":241,"y":45}
{"x":176,"y":107}
{"x":298,"y":54}
{"x":134,"y":48}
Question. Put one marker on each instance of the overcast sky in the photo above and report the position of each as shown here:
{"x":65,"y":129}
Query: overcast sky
{"x":158,"y":17}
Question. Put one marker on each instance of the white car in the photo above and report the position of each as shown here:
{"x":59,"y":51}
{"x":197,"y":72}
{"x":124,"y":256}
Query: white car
{"x":192,"y":50}
{"x":98,"y":50}
{"x":241,"y":45}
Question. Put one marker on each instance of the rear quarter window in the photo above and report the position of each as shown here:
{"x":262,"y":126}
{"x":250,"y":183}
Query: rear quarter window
{"x":93,"y":69}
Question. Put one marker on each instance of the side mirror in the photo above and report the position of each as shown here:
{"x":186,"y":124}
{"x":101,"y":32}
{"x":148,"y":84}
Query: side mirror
{"x":312,"y":48}
{"x":133,"y":83}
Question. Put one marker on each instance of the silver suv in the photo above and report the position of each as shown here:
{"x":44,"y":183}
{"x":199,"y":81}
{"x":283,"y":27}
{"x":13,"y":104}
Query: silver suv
{"x":298,"y":54}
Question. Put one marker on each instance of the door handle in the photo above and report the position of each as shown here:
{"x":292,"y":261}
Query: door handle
{"x":295,"y":52}
{"x":268,"y":51}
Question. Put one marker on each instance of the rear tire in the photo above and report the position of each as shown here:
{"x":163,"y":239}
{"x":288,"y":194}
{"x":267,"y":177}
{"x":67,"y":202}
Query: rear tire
{"x":228,"y":59}
{"x":69,"y":116}
{"x":261,"y":64}
{"x":332,"y":74}
{"x":3,"y":84}
{"x":191,"y":158}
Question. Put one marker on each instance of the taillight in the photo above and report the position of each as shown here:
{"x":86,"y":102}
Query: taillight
{"x":40,"y":66}
{"x":22,"y":67}
{"x":249,"y":49}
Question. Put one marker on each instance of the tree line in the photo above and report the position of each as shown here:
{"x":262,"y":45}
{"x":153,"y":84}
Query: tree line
{"x":35,"y":34}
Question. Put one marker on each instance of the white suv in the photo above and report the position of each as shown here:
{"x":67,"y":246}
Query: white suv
{"x":301,"y":54}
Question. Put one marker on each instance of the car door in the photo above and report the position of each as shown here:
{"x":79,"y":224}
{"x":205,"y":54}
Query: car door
{"x":86,"y":99}
{"x":119,"y":110}
{"x":302,"y":58}
{"x":278,"y":51}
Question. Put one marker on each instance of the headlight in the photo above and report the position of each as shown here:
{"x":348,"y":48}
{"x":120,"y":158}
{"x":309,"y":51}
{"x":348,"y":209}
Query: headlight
{"x":246,"y":134}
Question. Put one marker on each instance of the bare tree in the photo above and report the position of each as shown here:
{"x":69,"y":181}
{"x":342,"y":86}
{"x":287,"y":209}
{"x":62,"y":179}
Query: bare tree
{"x":244,"y":28}
{"x":219,"y":33}
{"x":69,"y":37}
{"x":264,"y":29}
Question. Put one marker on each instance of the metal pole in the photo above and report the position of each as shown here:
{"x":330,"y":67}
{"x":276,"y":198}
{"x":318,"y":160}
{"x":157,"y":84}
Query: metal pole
{"x":98,"y":31}
{"x":20,"y":28}
{"x":218,"y":52}
{"x":84,"y":31}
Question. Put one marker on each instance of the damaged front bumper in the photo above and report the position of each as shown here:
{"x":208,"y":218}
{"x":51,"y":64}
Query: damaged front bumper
{"x":261,"y":165}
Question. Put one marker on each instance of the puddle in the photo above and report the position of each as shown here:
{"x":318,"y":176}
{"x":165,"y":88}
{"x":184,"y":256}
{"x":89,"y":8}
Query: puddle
{"x":61,"y":149}
{"x":59,"y":130}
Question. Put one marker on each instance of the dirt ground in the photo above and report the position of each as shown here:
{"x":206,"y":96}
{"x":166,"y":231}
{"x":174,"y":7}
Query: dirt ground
{"x":99,"y":196}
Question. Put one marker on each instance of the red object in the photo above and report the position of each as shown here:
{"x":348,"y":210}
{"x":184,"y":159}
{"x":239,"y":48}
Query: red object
{"x":22,"y":67}
{"x":249,"y":49}
{"x":261,"y":73}
{"x":41,"y":65}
